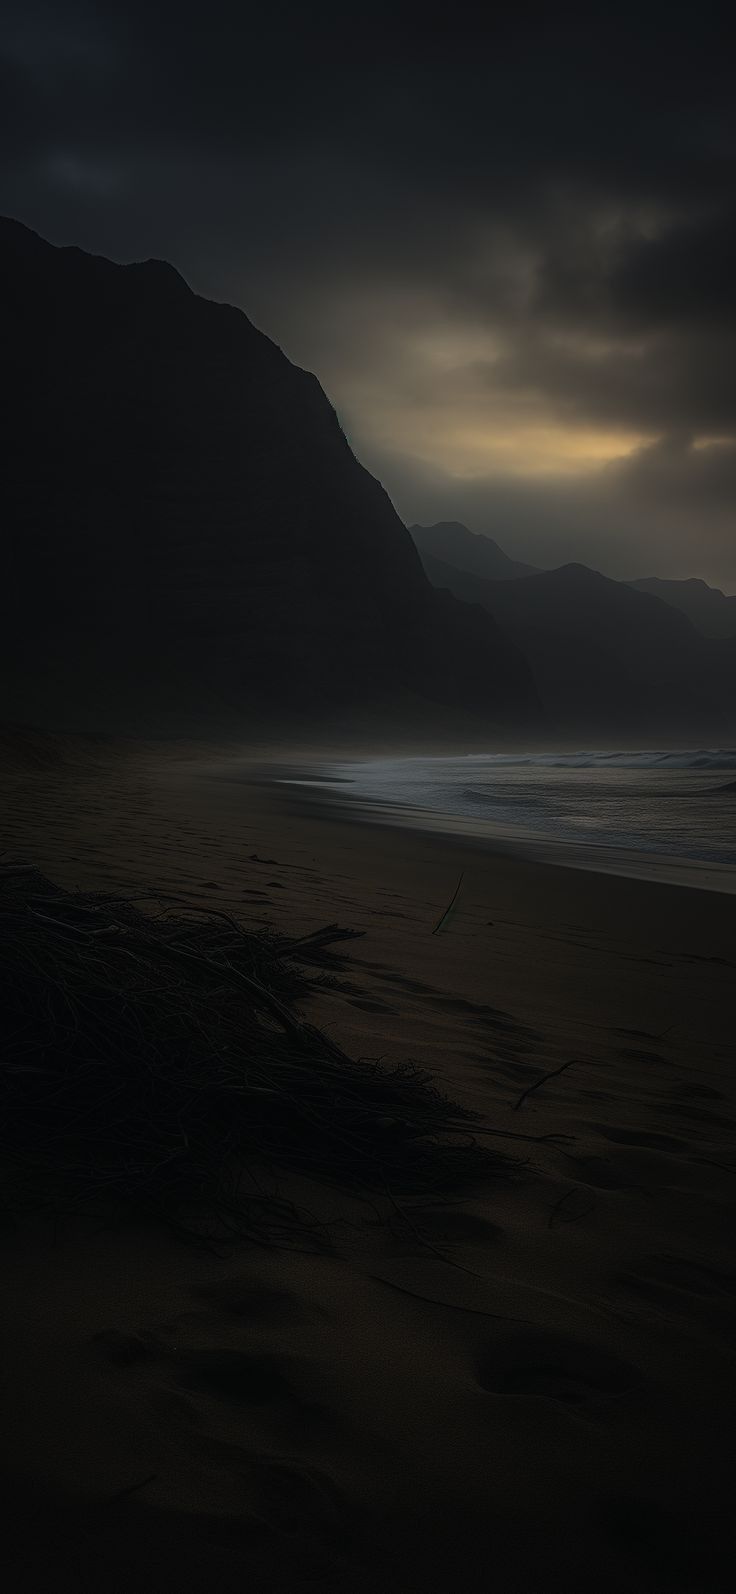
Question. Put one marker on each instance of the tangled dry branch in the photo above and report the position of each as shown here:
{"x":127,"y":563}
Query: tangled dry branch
{"x":157,"y":1060}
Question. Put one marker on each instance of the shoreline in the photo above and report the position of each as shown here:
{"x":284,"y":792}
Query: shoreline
{"x":322,"y":799}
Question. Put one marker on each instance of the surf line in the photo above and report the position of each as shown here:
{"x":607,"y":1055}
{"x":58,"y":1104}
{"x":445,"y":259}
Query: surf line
{"x":448,"y":910}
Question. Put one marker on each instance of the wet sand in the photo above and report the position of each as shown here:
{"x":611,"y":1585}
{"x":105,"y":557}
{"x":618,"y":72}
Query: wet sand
{"x":535,"y":1391}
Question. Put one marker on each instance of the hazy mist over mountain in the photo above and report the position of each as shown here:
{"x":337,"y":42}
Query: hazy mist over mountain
{"x":711,"y":611}
{"x":479,"y":555}
{"x":606,"y":657}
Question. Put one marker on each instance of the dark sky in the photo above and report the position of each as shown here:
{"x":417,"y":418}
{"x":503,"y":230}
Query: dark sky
{"x":507,"y":248}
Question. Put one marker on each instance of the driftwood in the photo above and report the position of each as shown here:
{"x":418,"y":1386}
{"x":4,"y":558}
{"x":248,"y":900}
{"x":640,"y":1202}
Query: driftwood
{"x":448,"y":910}
{"x":539,"y":1082}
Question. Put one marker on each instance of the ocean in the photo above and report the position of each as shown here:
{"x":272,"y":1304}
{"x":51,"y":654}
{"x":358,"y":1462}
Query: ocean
{"x":658,"y":814}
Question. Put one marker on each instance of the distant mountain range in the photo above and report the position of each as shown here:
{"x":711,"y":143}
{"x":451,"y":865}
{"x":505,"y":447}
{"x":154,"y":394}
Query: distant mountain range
{"x":190,"y":543}
{"x":468,"y":550}
{"x":711,"y":611}
{"x":190,"y":546}
{"x":605,"y":656}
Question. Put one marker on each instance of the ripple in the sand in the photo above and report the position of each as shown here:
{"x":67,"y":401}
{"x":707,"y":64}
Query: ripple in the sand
{"x":682,"y":1284}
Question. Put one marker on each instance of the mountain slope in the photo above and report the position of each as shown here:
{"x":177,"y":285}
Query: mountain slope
{"x":606,"y":659}
{"x":710,"y":610}
{"x":468,"y":550}
{"x":190,"y":541}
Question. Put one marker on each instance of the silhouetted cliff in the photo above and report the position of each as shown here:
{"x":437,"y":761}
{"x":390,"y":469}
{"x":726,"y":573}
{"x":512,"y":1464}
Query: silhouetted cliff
{"x":190,"y":543}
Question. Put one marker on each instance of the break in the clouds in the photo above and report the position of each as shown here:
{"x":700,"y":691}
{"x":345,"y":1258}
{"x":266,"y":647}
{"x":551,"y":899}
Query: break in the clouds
{"x":507,"y":248}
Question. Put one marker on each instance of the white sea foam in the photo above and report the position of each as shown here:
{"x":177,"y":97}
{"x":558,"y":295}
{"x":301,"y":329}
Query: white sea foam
{"x":657,"y":803}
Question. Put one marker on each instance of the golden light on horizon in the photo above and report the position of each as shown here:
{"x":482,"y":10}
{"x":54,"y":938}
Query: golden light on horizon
{"x":540,"y":450}
{"x":441,"y":395}
{"x":468,"y":447}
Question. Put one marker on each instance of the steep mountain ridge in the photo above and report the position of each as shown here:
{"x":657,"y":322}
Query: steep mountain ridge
{"x":711,"y":611}
{"x":608,"y":660}
{"x":190,"y":543}
{"x":468,"y":550}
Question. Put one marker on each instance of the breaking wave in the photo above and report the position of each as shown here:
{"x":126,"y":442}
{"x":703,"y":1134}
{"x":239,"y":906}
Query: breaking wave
{"x":654,"y":803}
{"x":704,"y":758}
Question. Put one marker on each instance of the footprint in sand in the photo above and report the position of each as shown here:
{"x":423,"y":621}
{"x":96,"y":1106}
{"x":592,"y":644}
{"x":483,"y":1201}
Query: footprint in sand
{"x":238,"y":1296}
{"x":554,"y":1368}
{"x":240,"y":1415}
{"x":209,"y":1383}
{"x":234,"y":1376}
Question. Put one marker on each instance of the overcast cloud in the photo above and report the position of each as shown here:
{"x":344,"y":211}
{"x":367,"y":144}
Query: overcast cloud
{"x":507,"y":249}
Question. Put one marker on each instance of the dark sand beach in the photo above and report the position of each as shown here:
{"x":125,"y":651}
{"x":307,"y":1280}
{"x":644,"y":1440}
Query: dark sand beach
{"x":532,"y":1388}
